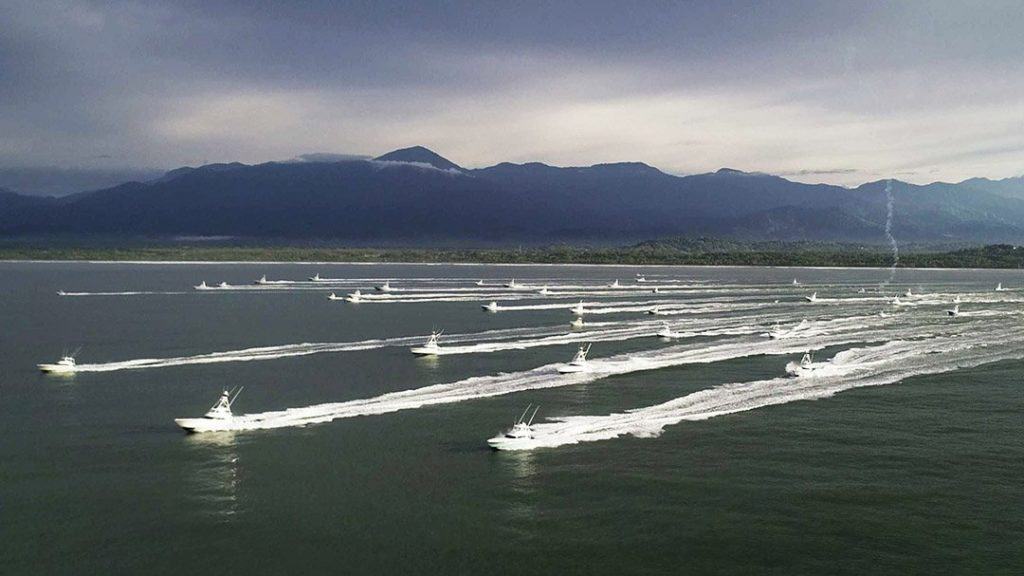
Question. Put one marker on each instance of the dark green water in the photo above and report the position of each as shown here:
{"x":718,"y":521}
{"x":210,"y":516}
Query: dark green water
{"x":919,"y":477}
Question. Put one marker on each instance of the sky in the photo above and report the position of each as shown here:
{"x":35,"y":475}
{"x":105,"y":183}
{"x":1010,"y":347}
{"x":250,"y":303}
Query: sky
{"x":841,"y":92}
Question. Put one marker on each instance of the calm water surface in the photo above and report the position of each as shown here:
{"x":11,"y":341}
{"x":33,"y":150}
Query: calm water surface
{"x":923,"y":476}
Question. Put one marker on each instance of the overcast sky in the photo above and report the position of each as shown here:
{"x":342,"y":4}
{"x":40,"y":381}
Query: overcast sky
{"x":841,"y":92}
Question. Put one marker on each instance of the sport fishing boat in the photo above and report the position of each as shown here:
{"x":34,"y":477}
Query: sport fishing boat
{"x":795,"y":283}
{"x":479,"y":282}
{"x":896,"y":301}
{"x":777,"y":332}
{"x":615,"y":284}
{"x":315,"y":277}
{"x":355,"y":297}
{"x":223,"y":285}
{"x":666,"y":332}
{"x":578,"y":309}
{"x":544,"y":291}
{"x":518,"y":435}
{"x":65,"y":365}
{"x":202,"y":286}
{"x":812,"y":298}
{"x":511,"y":284}
{"x":954,"y":311}
{"x":578,"y":363}
{"x":385,"y":287}
{"x":577,"y":322}
{"x":653,"y":311}
{"x":640,"y":278}
{"x":262,"y":280}
{"x":430,"y":348}
{"x":334,"y":296}
{"x":999,"y":287}
{"x":956,"y":299}
{"x":492,"y":307}
{"x":218,"y":419}
{"x":61,"y":293}
{"x":804,"y":367}
{"x":908,"y":294}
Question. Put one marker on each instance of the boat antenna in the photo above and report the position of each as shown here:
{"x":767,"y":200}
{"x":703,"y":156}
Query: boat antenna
{"x":530,"y":423}
{"x":528,"y":406}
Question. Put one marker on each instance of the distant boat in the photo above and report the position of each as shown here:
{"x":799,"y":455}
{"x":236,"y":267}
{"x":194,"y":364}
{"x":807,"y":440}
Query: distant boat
{"x":666,"y":332}
{"x":262,"y":280}
{"x":223,"y":285}
{"x":956,"y":299}
{"x":430,"y":348}
{"x":999,"y":287}
{"x":804,"y":367}
{"x":908,"y":294}
{"x":656,"y":290}
{"x":544,"y":291}
{"x":355,"y":297}
{"x":896,"y":301}
{"x":654,"y":311}
{"x":578,"y":309}
{"x":315,"y":277}
{"x":65,"y":365}
{"x":511,"y":284}
{"x":640,"y":279}
{"x":492,"y":307}
{"x":479,"y":282}
{"x":795,"y":283}
{"x":218,"y":419}
{"x":955,"y":311}
{"x":61,"y":293}
{"x":518,"y":435}
{"x":334,"y":296}
{"x":615,"y":284}
{"x":578,"y":363}
{"x":202,"y":286}
{"x":812,"y":298}
{"x":385,"y":287}
{"x":577,"y":322}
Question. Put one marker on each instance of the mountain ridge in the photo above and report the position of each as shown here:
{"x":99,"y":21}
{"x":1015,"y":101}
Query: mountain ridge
{"x":416,"y":194}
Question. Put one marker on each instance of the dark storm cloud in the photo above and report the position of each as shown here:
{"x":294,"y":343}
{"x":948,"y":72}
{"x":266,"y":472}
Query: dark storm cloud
{"x":688,"y":86}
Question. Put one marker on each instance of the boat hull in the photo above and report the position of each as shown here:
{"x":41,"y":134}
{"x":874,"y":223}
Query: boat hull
{"x":55,"y":369}
{"x":197,"y":425}
{"x":571,"y":369}
{"x":423,"y":351}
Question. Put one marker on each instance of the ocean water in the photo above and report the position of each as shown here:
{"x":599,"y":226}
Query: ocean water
{"x":903,"y":454}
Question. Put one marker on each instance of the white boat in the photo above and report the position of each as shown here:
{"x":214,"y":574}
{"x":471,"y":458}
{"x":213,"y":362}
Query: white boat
{"x":65,"y":365}
{"x":615,"y":284}
{"x":640,"y":279}
{"x":61,"y":293}
{"x":544,"y":291}
{"x":511,"y":284}
{"x":804,"y":367}
{"x":315,"y":277}
{"x":861,"y":291}
{"x":479,"y":282}
{"x":492,"y":307}
{"x":430,"y":348}
{"x":812,"y":298}
{"x":202,"y":286}
{"x":896,"y":301}
{"x":223,"y":285}
{"x":999,"y":287}
{"x":908,"y":294}
{"x":956,"y":299}
{"x":354,"y":297}
{"x":656,"y":290}
{"x":578,"y":363}
{"x":262,"y":280}
{"x":666,"y":332}
{"x":218,"y":419}
{"x":578,"y":309}
{"x":334,"y":296}
{"x":385,"y":287}
{"x":577,"y":322}
{"x":654,"y":311}
{"x":777,"y":332}
{"x":795,"y":283}
{"x":954,"y":311}
{"x":518,"y":436}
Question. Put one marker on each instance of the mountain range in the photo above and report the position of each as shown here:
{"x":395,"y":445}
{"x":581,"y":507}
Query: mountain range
{"x":414,"y":195}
